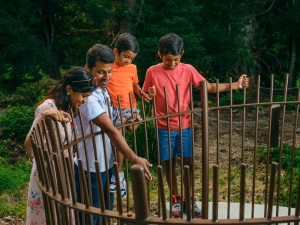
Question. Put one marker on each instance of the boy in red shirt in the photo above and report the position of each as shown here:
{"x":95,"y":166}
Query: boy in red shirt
{"x":168,"y":74}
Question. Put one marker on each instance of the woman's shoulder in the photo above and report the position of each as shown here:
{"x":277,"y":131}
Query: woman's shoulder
{"x":47,"y":104}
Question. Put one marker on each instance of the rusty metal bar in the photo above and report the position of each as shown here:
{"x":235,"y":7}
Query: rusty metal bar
{"x":293,"y":150}
{"x":229,"y":153}
{"x":161,"y":192}
{"x":255,"y":149}
{"x":139,"y":193}
{"x":268,"y":143}
{"x":215,"y":193}
{"x":189,"y":209}
{"x":271,"y":189}
{"x":281,"y":144}
{"x":242,"y":192}
{"x":205,"y":150}
{"x":218,"y":122}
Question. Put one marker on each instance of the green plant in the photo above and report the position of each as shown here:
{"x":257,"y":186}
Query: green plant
{"x":15,"y":122}
{"x":286,"y":156}
{"x":144,"y":140}
{"x":237,"y":98}
{"x":283,"y":193}
{"x":34,"y":92}
{"x":279,"y":98}
{"x":13,"y":188}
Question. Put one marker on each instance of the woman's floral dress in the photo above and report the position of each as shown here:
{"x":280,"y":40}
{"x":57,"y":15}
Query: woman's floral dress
{"x":35,"y":204}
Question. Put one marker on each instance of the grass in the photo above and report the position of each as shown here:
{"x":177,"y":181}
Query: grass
{"x":13,"y":188}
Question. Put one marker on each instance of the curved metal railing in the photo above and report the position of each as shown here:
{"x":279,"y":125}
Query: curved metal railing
{"x":234,"y":163}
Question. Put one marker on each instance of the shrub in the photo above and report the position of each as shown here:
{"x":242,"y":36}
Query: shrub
{"x":286,"y":156}
{"x":237,"y":98}
{"x":279,"y":98}
{"x":15,"y":122}
{"x":141,"y":141}
{"x":34,"y":92}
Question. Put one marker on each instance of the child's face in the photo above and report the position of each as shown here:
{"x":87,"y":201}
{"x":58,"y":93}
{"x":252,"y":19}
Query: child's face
{"x":169,"y":62}
{"x":102,"y":71}
{"x":124,"y":58}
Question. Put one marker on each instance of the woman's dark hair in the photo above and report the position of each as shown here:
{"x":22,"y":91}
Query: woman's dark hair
{"x":80,"y":80}
{"x":127,"y":41}
{"x":170,"y":44}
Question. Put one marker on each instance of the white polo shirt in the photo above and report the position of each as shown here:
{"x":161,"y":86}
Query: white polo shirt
{"x":95,"y":107}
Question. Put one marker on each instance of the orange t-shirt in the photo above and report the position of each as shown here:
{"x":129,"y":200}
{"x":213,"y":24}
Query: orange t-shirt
{"x":121,"y":84}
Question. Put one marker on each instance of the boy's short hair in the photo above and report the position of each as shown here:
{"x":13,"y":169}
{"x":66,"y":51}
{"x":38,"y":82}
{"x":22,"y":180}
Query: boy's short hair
{"x":170,"y":44}
{"x":101,"y":53}
{"x":127,"y":41}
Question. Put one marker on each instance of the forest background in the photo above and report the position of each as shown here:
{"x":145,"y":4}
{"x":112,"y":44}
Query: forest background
{"x":41,"y":39}
{"x":222,"y":38}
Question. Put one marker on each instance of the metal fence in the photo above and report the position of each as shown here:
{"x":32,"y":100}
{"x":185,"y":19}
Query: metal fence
{"x":245,"y":155}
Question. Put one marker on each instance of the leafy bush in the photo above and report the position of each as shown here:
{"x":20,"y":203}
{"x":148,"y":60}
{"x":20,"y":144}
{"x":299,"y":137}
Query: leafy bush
{"x":15,"y":122}
{"x":286,"y":157}
{"x":141,"y":141}
{"x":34,"y":92}
{"x":237,"y":98}
{"x":286,"y":163}
{"x":279,"y":98}
{"x":283,"y":193}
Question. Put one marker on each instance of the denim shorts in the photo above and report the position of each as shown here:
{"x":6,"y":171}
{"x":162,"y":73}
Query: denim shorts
{"x":125,"y":113}
{"x":175,"y":143}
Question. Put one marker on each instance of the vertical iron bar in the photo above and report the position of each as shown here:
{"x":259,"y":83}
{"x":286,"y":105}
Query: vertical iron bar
{"x":205,"y":150}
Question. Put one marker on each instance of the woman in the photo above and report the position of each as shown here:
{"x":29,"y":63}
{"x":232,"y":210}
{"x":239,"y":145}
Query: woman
{"x":72,"y":91}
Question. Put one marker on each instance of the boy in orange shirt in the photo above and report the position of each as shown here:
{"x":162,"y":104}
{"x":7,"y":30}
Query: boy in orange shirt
{"x":124,"y":85}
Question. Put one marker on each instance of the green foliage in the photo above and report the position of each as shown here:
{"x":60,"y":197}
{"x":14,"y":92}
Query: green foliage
{"x":286,"y":165}
{"x":13,"y":185}
{"x":13,"y":177}
{"x":15,"y":122}
{"x":286,"y":156}
{"x":145,"y":137}
{"x":279,"y":98}
{"x":144,"y":142}
{"x":35,"y":91}
{"x":283,"y":193}
{"x":237,"y":98}
{"x":159,"y":20}
{"x":22,"y":51}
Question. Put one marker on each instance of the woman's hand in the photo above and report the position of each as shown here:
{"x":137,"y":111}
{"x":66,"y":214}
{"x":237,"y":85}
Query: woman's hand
{"x":58,"y":115}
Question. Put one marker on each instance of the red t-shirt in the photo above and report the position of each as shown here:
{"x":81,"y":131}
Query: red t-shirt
{"x":183,"y":75}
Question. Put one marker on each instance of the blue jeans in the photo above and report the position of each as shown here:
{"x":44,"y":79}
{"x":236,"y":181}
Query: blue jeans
{"x":175,"y":143}
{"x":95,"y":201}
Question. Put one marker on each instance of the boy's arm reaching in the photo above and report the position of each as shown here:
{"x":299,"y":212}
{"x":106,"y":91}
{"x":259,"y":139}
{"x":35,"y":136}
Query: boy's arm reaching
{"x":104,"y":122}
{"x":243,"y":82}
{"x":137,"y":89}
